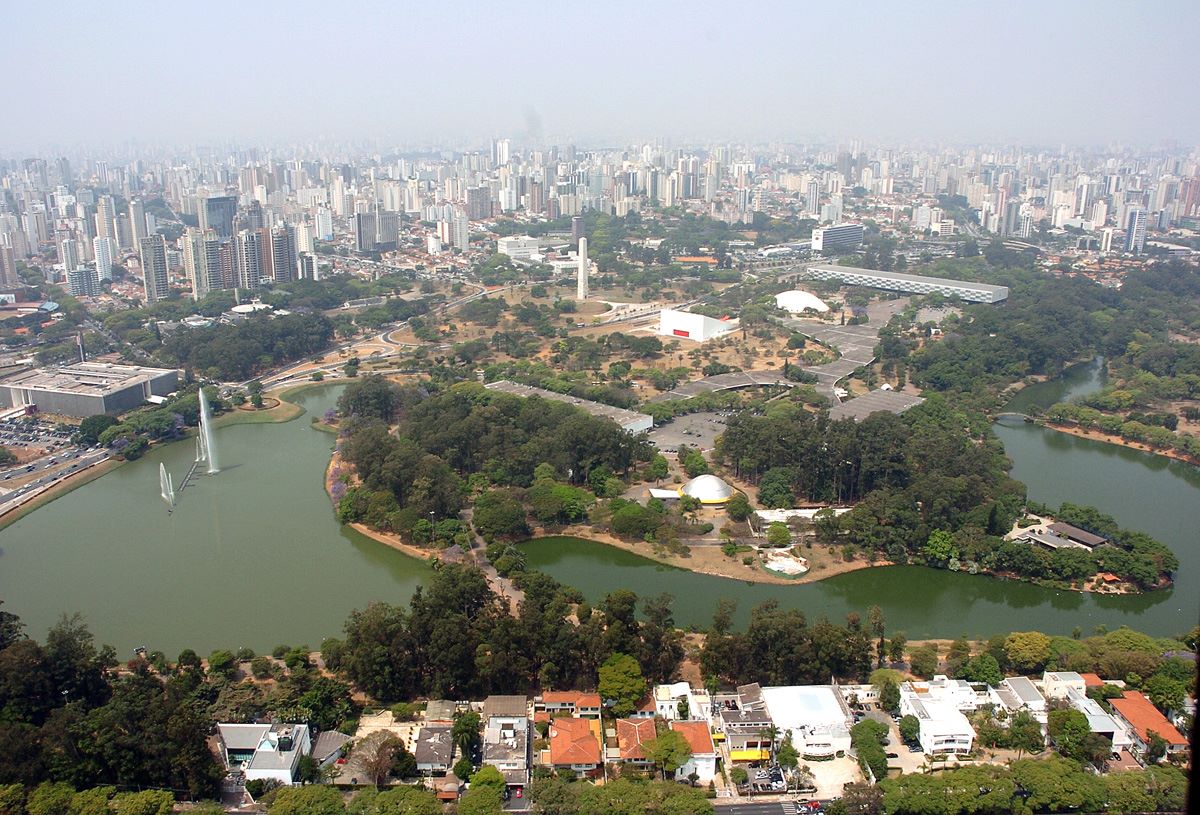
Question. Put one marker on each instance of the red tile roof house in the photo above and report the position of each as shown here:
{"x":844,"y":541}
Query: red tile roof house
{"x":632,"y":734}
{"x":1143,"y":718}
{"x":574,"y":746}
{"x":704,"y":755}
{"x":570,"y":702}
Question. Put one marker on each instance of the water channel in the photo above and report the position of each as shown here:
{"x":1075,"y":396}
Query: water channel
{"x":255,"y":557}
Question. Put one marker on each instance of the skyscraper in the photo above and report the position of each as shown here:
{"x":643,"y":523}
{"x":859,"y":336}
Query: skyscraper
{"x":217,"y":214}
{"x":283,"y":253}
{"x":102,"y":250}
{"x":137,"y":221}
{"x":105,"y":213}
{"x":364,"y":231}
{"x":8,"y":267}
{"x":1135,"y":230}
{"x":247,"y":258}
{"x":202,"y":261}
{"x":154,"y":268}
{"x":68,"y":254}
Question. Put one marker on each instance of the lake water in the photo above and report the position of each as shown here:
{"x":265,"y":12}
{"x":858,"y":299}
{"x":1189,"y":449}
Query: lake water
{"x":251,"y":557}
{"x":1142,"y":491}
{"x":254,"y":556}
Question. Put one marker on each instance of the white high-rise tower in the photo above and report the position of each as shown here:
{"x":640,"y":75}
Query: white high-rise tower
{"x":581,"y":280}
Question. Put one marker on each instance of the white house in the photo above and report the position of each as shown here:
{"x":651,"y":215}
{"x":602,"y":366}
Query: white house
{"x":943,"y":727}
{"x":1055,"y":684}
{"x":704,"y":755}
{"x":1019,"y":693}
{"x":434,"y":749}
{"x":267,"y":752}
{"x":668,"y":697}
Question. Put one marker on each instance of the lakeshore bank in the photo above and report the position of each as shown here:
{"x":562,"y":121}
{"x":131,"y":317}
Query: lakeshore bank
{"x":1110,"y":438}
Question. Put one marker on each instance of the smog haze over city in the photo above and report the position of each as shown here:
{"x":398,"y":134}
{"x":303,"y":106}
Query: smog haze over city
{"x":454,"y":73}
{"x":664,"y":408}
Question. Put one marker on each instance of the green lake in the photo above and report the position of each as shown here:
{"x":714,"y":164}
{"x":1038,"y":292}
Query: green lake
{"x":254,"y":556}
{"x":1142,"y":491}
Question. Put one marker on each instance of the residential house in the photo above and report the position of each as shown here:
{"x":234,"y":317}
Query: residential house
{"x":568,"y":703}
{"x":506,"y":737}
{"x":667,"y":699}
{"x":943,"y":727}
{"x":1055,"y":684}
{"x":434,"y":749}
{"x":329,"y":747}
{"x":1101,"y":722}
{"x":575,"y":746}
{"x":632,"y":734}
{"x":267,"y":752}
{"x":440,"y":711}
{"x":744,"y":724}
{"x":704,"y":754}
{"x":1018,"y":693}
{"x":1144,"y":719}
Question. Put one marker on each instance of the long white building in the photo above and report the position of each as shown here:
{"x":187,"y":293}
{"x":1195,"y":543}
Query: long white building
{"x":915,"y":284}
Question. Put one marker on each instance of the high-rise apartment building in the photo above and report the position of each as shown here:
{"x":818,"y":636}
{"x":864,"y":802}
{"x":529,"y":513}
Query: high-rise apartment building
{"x":83,"y":282}
{"x":283,"y":253}
{"x":137,"y":221}
{"x":217,"y":213}
{"x":202,"y":261}
{"x":1136,"y":222}
{"x":103,"y":250}
{"x":247,"y":258}
{"x":8,"y":267}
{"x":105,"y":215}
{"x":154,"y":268}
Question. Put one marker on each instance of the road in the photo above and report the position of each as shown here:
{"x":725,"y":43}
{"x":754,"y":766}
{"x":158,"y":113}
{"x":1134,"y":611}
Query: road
{"x":27,"y":492}
{"x":764,"y":808}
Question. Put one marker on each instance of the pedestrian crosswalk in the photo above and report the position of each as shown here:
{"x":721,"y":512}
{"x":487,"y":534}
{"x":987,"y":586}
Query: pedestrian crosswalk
{"x":791,"y":808}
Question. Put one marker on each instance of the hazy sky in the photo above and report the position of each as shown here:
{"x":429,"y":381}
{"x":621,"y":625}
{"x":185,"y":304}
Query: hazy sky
{"x":1093,"y":73}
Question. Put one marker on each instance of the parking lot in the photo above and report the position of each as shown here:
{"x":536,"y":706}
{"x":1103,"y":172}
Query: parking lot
{"x":694,"y":430}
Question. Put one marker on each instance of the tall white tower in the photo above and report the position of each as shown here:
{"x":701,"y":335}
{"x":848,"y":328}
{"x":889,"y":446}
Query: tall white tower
{"x":581,"y":280}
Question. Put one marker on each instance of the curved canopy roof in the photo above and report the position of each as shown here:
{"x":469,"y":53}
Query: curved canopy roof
{"x":796,"y":301}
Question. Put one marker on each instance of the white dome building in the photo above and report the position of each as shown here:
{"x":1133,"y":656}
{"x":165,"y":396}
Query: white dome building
{"x":798,"y":302}
{"x":708,"y":488}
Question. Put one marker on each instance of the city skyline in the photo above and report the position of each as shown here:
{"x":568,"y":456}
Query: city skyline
{"x":453,"y":74}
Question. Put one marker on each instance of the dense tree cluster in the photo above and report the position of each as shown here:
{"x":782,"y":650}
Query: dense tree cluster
{"x":1028,"y":786}
{"x":779,"y":647}
{"x":469,"y":432}
{"x":554,"y":796}
{"x":237,"y":352}
{"x":456,"y":639}
{"x":66,"y":717}
{"x":909,"y":475}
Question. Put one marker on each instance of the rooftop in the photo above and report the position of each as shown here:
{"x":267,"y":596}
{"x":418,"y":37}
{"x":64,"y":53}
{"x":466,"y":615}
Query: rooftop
{"x":1024,"y":689}
{"x":1077,"y":534}
{"x":505,"y":706}
{"x":87,"y":378}
{"x":1145,"y":718}
{"x":573,"y":741}
{"x":434,"y":745}
{"x":863,"y":406}
{"x":600,"y":410}
{"x":999,"y":292}
{"x":698,"y":736}
{"x":632,"y":734}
